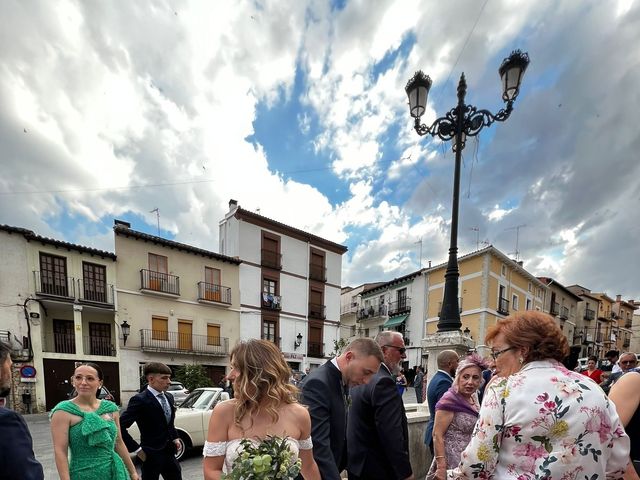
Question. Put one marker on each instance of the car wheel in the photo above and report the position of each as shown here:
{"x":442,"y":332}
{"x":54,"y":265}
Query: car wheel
{"x":185,"y":445}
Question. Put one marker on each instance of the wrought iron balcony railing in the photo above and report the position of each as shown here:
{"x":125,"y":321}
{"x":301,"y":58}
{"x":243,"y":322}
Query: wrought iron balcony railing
{"x":315,"y":349}
{"x":98,"y":346}
{"x":55,"y":285}
{"x":400,"y":307}
{"x":317,"y":272}
{"x":159,"y":282}
{"x":555,"y":308}
{"x":94,"y":291}
{"x":564,"y":313}
{"x":211,"y":292}
{"x":317,"y":311}
{"x":271,"y":259}
{"x":274,"y":302}
{"x":589,"y":314}
{"x":175,"y":342}
{"x":503,"y":306}
{"x":372,"y":312}
{"x":60,"y":343}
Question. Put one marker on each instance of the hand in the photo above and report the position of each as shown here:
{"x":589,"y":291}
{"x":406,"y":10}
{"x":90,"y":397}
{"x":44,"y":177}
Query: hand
{"x":134,"y":476}
{"x":441,"y":473}
{"x":177,"y":444}
{"x":141,"y":455}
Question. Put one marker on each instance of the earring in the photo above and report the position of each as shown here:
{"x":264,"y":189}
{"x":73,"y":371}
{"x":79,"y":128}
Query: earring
{"x":521,"y":360}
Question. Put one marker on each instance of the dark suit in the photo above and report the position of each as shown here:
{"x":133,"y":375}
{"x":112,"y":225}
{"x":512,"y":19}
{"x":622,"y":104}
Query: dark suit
{"x":377,"y":433}
{"x":156,"y":435}
{"x":438,"y":385}
{"x":324,"y":394}
{"x":16,"y":449}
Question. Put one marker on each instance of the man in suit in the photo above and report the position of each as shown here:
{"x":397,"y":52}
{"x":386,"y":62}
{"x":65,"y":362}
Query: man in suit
{"x":16,"y":446}
{"x":325,"y":392}
{"x":418,"y":383}
{"x":154,"y":412}
{"x":447,"y":361}
{"x":377,"y":433}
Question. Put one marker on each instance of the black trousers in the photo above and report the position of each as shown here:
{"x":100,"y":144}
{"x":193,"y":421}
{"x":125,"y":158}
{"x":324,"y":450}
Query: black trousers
{"x":162,"y":463}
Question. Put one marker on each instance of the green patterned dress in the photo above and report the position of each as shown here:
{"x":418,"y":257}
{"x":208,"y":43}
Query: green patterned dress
{"x":91,"y":443}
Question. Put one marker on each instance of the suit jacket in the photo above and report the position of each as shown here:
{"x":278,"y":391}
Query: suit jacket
{"x":323,"y":393}
{"x":377,"y":432}
{"x":155,"y":433}
{"x":16,"y":449}
{"x":439,"y":383}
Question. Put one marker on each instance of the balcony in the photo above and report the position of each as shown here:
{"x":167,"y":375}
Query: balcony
{"x":564,"y":313}
{"x":459,"y":307}
{"x":54,"y":285}
{"x":102,"y":346}
{"x":318,"y":272}
{"x":159,"y":282}
{"x":400,"y":307}
{"x":174,"y":342}
{"x":271,"y":259}
{"x":315,"y":349}
{"x":589,"y":314}
{"x":555,"y":309}
{"x":628,"y":325}
{"x":503,"y":306}
{"x":92,"y":291}
{"x":273,"y":302}
{"x":60,"y":343}
{"x":626,"y":344}
{"x":372,"y":312}
{"x":317,"y":310}
{"x":210,"y":292}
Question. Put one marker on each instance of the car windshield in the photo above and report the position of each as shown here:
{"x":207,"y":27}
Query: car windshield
{"x":199,"y":399}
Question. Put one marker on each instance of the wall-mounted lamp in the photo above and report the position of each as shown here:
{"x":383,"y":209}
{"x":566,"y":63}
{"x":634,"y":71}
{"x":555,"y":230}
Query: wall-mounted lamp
{"x":298,"y":341}
{"x":126,"y":329}
{"x":467,"y":332}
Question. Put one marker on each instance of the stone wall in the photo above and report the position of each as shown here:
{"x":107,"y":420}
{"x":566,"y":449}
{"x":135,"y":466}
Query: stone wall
{"x":418,"y":451}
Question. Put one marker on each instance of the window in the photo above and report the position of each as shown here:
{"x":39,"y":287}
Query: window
{"x":269,"y":328}
{"x":503,"y":270}
{"x":64,"y":339}
{"x":100,"y":339}
{"x":269,"y":286}
{"x":529,"y":288}
{"x":158,"y":270}
{"x":94,"y":282}
{"x":185,"y":339}
{"x":53,"y":275}
{"x":514,"y":302}
{"x":528,"y":304}
{"x":158,"y":263}
{"x":213,"y":335}
{"x":212,"y":282}
{"x":160,"y":328}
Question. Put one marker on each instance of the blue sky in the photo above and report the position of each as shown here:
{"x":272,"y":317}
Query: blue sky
{"x":297,"y":110}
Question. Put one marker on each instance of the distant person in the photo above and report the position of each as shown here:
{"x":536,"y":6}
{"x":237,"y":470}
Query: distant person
{"x":592,"y":371}
{"x":377,"y":433}
{"x":17,"y":459}
{"x":538,"y":419}
{"x":401,"y":383}
{"x":154,"y":411}
{"x":87,"y":444}
{"x":447,"y":361}
{"x":612,"y":357}
{"x":628,"y":361}
{"x":326,"y":392}
{"x":418,"y":384}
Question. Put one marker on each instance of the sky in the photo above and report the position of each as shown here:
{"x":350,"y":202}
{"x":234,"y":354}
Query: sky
{"x":297,"y":110}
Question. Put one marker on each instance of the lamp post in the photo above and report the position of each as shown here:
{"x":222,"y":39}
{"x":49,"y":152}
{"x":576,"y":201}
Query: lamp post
{"x":459,"y":123}
{"x":126,"y":329}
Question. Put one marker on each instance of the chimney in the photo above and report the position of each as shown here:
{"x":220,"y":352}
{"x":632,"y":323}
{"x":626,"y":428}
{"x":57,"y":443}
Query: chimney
{"x":429,"y":263}
{"x":520,"y":262}
{"x":121,"y":223}
{"x":232,"y":204}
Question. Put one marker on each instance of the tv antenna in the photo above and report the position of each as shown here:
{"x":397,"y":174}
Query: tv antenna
{"x":517,"y":229}
{"x":157,"y":212}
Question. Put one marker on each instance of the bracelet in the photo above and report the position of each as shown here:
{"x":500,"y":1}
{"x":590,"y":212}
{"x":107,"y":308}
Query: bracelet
{"x":438,"y":456}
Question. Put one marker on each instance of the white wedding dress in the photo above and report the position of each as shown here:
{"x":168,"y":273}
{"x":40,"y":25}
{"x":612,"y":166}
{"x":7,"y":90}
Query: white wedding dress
{"x":232,"y":449}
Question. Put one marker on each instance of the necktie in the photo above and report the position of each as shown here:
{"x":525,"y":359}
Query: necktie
{"x":165,"y":406}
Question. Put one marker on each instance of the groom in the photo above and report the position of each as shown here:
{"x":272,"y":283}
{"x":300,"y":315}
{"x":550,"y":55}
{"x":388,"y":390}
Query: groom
{"x":325,"y":392}
{"x":154,"y":412}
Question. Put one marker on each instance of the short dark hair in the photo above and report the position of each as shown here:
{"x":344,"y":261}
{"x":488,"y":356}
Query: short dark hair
{"x":592,"y":357}
{"x":612,"y":353}
{"x":156,"y":367}
{"x":5,"y":351}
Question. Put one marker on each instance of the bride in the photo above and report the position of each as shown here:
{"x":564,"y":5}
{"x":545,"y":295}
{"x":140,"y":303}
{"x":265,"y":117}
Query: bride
{"x":265,"y":405}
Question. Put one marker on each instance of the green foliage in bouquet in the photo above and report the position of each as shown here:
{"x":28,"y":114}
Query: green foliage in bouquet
{"x":269,"y":459}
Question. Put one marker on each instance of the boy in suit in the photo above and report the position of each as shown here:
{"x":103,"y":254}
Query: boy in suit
{"x":325,"y":392}
{"x":16,"y":446}
{"x":154,"y":411}
{"x":377,"y":434}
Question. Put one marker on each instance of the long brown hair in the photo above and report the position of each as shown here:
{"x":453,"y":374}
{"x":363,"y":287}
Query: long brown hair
{"x":263,"y":380}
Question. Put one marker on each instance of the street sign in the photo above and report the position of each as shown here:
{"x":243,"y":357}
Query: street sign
{"x":28,"y":371}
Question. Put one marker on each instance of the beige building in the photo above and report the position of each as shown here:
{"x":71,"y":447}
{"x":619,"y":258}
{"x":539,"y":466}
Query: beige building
{"x":622,"y":311}
{"x":62,"y":310}
{"x":491,"y":286}
{"x":181,"y":304}
{"x":589,"y":331}
{"x":562,"y":304}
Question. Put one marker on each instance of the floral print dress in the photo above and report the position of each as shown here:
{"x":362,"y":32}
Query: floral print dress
{"x":547,"y":423}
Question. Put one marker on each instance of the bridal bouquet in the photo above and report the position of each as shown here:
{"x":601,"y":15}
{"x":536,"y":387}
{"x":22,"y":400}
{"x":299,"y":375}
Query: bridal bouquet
{"x":271,"y":458}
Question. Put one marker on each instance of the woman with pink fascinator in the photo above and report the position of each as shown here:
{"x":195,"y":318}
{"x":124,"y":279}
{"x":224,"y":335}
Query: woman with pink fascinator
{"x":456,"y":416}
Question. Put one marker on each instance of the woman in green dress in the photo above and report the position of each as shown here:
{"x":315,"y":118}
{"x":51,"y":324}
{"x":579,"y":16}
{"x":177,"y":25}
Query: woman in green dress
{"x":86,"y":433}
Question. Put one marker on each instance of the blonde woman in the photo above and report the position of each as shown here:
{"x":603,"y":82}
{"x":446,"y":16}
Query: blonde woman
{"x":265,"y":404}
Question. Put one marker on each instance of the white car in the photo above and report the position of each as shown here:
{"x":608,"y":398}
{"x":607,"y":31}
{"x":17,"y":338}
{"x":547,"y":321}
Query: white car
{"x":179,"y":392}
{"x":192,"y":418}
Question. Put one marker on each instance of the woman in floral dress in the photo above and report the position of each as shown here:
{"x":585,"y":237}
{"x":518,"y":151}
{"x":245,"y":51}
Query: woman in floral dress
{"x":539,"y":420}
{"x":456,"y":415}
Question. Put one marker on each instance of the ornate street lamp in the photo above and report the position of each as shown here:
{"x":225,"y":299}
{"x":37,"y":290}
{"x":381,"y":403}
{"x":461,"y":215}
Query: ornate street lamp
{"x":298,"y":341}
{"x":126,"y":330}
{"x":459,"y":123}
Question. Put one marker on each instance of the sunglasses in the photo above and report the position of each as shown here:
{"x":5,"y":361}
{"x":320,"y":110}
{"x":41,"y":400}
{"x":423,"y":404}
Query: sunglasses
{"x":497,"y":353}
{"x":400,"y":349}
{"x":628,"y":362}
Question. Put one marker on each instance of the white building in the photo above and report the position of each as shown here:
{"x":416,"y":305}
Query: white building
{"x":289,"y":285}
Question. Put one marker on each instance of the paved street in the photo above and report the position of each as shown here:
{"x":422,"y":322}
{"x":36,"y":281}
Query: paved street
{"x":39,"y":427}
